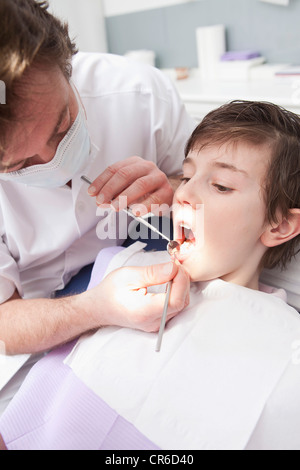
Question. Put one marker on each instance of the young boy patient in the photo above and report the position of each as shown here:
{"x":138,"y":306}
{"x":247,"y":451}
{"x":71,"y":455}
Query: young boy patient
{"x":226,"y":376}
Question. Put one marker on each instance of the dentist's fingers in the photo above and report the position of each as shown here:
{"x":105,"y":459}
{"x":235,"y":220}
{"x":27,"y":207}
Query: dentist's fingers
{"x":127,"y":303}
{"x":155,"y":202}
{"x":144,"y":191}
{"x":111,"y":171}
{"x":179,"y":299}
{"x":180,"y":293}
{"x":150,"y":275}
{"x":135,"y":178}
{"x":143,"y":277}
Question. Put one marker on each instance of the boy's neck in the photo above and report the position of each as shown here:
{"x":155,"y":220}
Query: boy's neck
{"x":244,"y":279}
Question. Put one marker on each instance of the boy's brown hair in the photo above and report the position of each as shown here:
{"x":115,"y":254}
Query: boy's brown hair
{"x":29,"y":36}
{"x":259,"y":123}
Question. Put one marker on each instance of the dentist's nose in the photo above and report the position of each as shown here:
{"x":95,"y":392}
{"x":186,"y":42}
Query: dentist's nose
{"x":39,"y":160}
{"x":46,"y":154}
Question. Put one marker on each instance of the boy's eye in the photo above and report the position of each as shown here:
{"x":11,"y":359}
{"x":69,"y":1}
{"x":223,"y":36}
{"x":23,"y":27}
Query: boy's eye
{"x":222,"y":189}
{"x":184,"y":179}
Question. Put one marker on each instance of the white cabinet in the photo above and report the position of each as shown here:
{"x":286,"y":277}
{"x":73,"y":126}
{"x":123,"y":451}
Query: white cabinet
{"x":200,"y":97}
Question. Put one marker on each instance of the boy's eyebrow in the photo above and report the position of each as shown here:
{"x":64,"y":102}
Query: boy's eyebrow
{"x":228,"y":166}
{"x":188,"y":160}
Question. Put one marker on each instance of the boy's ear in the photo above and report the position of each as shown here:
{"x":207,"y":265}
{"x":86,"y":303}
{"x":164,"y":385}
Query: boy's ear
{"x":283,"y":231}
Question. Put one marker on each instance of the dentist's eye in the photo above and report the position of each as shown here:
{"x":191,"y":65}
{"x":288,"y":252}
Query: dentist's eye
{"x":222,"y":189}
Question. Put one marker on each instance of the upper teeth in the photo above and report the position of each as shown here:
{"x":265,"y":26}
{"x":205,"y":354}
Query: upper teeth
{"x":187,"y":231}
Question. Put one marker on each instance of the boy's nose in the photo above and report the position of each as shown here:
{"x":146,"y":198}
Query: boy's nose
{"x":188,"y":194}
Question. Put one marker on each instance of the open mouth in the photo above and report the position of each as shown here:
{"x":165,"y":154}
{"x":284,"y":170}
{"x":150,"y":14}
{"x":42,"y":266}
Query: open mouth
{"x":185,"y":237}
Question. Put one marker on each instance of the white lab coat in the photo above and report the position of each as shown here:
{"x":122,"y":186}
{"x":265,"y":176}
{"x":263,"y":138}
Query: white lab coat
{"x":48,"y":235}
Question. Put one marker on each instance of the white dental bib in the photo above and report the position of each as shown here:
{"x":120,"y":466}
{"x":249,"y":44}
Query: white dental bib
{"x":221,"y":361}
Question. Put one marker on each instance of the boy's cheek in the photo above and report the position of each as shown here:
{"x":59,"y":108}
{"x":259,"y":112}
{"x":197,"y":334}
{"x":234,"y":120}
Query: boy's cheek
{"x":177,"y":233}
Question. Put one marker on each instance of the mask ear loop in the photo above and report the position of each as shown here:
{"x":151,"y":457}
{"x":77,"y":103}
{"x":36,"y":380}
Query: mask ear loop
{"x":78,"y":97}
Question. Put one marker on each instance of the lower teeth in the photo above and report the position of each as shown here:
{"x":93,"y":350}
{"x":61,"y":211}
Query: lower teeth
{"x":186,"y":246}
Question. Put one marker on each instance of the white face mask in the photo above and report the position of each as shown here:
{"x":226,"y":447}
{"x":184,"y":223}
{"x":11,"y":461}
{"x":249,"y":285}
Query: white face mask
{"x":71,"y":157}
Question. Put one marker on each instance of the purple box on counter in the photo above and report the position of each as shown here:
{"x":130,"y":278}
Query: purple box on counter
{"x":239,"y":55}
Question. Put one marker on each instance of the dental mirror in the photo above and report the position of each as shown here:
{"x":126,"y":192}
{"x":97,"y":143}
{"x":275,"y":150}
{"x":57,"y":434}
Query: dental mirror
{"x":172,"y":248}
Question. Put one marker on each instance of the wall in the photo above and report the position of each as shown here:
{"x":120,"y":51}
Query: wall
{"x":86,"y":22}
{"x":170,"y":31}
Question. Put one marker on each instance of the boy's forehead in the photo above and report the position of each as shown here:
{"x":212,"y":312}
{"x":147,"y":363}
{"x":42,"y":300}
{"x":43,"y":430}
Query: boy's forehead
{"x":238,"y":156}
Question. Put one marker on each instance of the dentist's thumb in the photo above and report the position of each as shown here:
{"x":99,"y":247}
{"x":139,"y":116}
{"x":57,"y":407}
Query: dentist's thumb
{"x":152,"y":275}
{"x":143,"y":277}
{"x":160,"y":274}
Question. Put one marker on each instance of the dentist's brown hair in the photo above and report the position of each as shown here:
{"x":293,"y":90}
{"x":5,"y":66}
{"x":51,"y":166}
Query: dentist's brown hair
{"x":29,"y":37}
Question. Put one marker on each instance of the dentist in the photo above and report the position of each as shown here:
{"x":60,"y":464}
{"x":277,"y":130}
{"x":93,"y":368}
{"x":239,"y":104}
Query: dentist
{"x":119,"y":123}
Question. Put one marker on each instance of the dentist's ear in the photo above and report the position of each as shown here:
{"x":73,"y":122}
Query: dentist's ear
{"x":284,"y":231}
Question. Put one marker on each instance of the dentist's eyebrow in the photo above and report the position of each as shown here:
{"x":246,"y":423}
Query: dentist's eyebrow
{"x":4,"y":167}
{"x":58,"y":124}
{"x":228,"y":166}
{"x":61,"y":117}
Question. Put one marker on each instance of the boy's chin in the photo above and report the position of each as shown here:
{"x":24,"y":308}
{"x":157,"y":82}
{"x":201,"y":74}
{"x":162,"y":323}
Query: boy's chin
{"x":196,"y":276}
{"x":190,"y":270}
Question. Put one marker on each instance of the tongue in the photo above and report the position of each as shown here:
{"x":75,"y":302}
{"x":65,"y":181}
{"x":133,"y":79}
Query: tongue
{"x":189,"y":234}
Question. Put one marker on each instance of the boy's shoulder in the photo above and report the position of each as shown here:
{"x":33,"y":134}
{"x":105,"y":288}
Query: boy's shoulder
{"x":266,"y":308}
{"x":280,"y":293}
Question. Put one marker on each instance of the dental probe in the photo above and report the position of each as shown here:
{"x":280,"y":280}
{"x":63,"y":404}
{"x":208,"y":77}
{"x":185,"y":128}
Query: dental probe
{"x":171,"y":248}
{"x":137,"y":218}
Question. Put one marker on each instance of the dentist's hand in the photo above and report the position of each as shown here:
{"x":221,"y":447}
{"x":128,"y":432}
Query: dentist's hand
{"x":139,"y":180}
{"x":122,"y":299}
